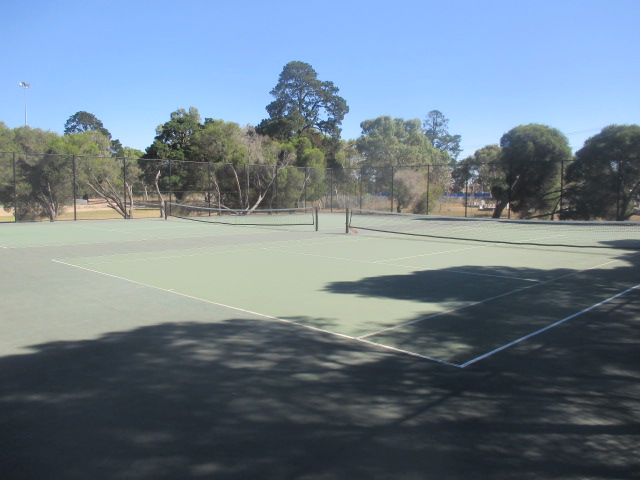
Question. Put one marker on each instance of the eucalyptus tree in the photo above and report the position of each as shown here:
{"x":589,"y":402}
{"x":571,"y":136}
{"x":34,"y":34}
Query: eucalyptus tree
{"x":44,"y":180}
{"x":390,"y":146}
{"x":604,"y":179}
{"x":531,"y":160}
{"x":395,"y":142}
{"x":173,"y":141}
{"x":173,"y":138}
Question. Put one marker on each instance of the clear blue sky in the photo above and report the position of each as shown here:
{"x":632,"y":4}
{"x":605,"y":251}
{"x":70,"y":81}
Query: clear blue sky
{"x":488,"y":65}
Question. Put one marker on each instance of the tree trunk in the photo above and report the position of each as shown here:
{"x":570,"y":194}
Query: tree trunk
{"x":160,"y":198}
{"x":502,"y":197}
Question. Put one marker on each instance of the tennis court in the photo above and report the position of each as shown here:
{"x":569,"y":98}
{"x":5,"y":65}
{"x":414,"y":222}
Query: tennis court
{"x":337,"y":315}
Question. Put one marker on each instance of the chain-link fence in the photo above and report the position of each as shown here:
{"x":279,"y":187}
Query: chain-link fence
{"x":37,"y":186}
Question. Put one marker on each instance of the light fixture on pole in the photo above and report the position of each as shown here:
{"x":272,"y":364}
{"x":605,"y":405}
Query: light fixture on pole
{"x":25,"y":86}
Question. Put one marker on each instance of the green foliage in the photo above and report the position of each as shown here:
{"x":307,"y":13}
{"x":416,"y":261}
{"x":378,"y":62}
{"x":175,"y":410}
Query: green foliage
{"x":84,"y":121}
{"x":387,"y":141}
{"x":45,"y":187}
{"x":173,"y":138}
{"x":7,"y":138}
{"x":532,"y":157}
{"x":429,"y":200}
{"x":287,"y":156}
{"x":394,"y":142}
{"x":604,"y":179}
{"x":219,"y":142}
{"x":482,"y":170}
{"x":128,"y":152}
{"x":44,"y":180}
{"x":408,"y":185}
{"x":32,"y":140}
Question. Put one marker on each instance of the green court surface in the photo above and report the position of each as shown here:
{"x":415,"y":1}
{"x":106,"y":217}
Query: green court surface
{"x":445,"y":301}
{"x":348,"y":313}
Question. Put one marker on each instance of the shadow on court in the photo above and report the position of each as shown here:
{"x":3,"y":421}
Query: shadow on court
{"x":481,"y":310}
{"x":248,"y":399}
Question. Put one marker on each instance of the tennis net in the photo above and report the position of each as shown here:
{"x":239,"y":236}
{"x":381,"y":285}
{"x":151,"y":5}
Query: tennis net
{"x":264,"y":217}
{"x":587,"y":234}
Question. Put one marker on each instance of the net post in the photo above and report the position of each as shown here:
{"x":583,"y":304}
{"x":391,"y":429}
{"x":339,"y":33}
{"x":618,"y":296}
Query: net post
{"x":165,"y":204}
{"x":346,"y":223}
{"x":316,"y":212}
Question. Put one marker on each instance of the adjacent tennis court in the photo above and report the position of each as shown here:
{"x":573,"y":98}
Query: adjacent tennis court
{"x":309,"y":296}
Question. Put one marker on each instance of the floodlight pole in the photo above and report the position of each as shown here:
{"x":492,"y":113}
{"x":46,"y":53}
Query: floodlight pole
{"x":25,"y":86}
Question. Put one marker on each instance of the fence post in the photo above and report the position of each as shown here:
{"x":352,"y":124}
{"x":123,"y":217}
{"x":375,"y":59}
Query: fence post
{"x":466,"y":189}
{"x":277,"y":202}
{"x":332,"y":173}
{"x":246,"y":176}
{"x":170,"y":182}
{"x":304,"y":185}
{"x":561,"y":189}
{"x":15,"y":190}
{"x":392,"y":175}
{"x":428,"y":186}
{"x":618,"y":193}
{"x":124,"y":175}
{"x":361,"y":175}
{"x":209,"y":186}
{"x":509,"y":191}
{"x":75,"y":187}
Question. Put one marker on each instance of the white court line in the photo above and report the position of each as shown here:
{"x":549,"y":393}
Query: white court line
{"x":386,"y":262}
{"x":127,"y":232}
{"x":221,"y":250}
{"x":270,"y":317}
{"x":549,"y":327}
{"x":431,"y":254}
{"x":462,"y":272}
{"x":486,"y":300}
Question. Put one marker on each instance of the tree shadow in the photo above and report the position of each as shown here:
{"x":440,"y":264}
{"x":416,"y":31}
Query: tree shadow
{"x":472,"y":310}
{"x":244,"y":398}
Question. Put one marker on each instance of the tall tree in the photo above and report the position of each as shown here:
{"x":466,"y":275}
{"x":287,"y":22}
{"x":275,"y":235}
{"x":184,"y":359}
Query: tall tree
{"x":44,"y":180}
{"x":604,"y":178}
{"x":387,"y":144}
{"x":173,"y":138}
{"x":41,"y":181}
{"x":84,"y":121}
{"x":531,"y":159}
{"x":436,"y":128}
{"x":394,"y":142}
{"x":303,"y":103}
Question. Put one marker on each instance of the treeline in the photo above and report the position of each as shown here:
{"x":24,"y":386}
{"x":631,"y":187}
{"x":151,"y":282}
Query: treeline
{"x":532,"y":171}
